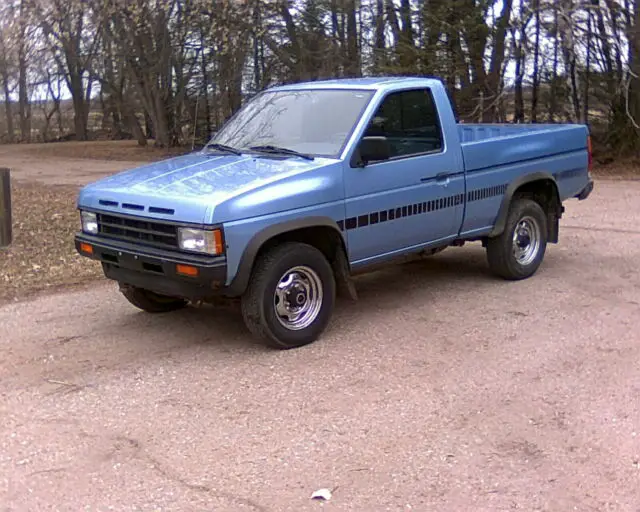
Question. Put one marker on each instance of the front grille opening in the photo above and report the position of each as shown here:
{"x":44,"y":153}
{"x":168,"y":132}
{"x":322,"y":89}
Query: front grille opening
{"x":138,"y":231}
{"x":109,"y":257}
{"x":152,"y":267}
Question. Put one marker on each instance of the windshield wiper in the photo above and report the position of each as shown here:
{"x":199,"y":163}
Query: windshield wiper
{"x":223,"y":147}
{"x":269,"y":148}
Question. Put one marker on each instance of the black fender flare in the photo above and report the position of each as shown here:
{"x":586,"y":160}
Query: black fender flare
{"x":501,"y":219}
{"x":240,"y":281}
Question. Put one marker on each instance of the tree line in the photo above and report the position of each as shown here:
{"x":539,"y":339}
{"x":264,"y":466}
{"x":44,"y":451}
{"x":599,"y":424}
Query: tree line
{"x":171,"y":71}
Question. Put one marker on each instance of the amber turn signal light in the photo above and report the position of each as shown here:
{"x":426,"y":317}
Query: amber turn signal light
{"x":217,"y":241}
{"x":86,"y":248}
{"x":187,"y":270}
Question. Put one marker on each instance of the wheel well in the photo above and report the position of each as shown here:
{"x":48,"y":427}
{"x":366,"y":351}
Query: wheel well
{"x":327,"y":240}
{"x":323,"y":238}
{"x":545,"y":193}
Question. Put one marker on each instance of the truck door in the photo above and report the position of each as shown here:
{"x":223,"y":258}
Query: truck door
{"x":417,"y":196}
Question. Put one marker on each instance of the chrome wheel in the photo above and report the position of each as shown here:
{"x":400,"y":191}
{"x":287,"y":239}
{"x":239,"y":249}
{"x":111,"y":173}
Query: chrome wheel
{"x":298,"y":298}
{"x":526,"y":240}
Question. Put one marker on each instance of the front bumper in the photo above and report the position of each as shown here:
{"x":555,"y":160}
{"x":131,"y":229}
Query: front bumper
{"x":156,"y":269}
{"x":586,"y":191}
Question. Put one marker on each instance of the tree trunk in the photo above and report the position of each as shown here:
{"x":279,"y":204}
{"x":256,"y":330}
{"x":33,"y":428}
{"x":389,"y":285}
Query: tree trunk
{"x":205,"y":90}
{"x":406,"y":49}
{"x":379,"y":45}
{"x":536,"y":70}
{"x":134,"y":126}
{"x":353,"y":56}
{"x":8,"y":110}
{"x":80,"y":113}
{"x":519,"y":98}
{"x":24,"y":106}
{"x":256,"y":54}
{"x":587,"y":71}
{"x":492,"y":84}
{"x":633,"y":98}
{"x":553,"y":100}
{"x":392,"y":18}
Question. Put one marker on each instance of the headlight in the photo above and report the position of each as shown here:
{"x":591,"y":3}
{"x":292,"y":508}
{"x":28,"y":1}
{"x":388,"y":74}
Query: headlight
{"x":89,"y":222}
{"x":200,"y":240}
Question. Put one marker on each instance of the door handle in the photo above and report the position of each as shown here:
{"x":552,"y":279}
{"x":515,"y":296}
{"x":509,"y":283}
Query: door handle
{"x":442,"y":177}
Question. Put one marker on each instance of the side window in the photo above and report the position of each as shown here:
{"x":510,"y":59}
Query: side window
{"x":409,"y":120}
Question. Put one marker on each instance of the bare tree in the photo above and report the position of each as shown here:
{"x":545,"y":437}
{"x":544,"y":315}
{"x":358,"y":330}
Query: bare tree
{"x":173,"y":70}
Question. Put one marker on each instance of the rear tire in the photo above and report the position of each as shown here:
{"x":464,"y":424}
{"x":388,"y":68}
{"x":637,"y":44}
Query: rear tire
{"x":291,"y":296}
{"x":151,"y":302}
{"x":518,"y":252}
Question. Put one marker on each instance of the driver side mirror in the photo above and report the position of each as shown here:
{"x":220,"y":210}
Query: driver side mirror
{"x":373,"y":149}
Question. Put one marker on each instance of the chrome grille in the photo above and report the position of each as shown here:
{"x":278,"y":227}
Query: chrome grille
{"x":138,"y":230}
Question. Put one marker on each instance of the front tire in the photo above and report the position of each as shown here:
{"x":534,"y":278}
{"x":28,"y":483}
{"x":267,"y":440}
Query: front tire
{"x":518,"y":252}
{"x":151,"y":302}
{"x":291,"y":296}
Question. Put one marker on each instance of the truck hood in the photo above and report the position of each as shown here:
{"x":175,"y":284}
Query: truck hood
{"x":189,"y":187}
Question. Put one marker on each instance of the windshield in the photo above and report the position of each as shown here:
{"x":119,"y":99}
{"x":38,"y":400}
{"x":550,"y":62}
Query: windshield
{"x":314,"y":121}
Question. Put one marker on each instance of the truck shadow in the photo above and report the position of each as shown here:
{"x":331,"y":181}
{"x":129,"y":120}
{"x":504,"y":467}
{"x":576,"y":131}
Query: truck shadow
{"x":389,"y":288}
{"x":452,"y":266}
{"x":130,"y":338}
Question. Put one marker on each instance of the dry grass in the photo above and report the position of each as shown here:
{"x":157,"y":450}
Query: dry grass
{"x":628,"y":169}
{"x":42,"y":255}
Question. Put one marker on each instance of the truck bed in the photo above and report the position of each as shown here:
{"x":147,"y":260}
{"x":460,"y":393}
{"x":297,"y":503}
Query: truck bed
{"x":487,"y":146}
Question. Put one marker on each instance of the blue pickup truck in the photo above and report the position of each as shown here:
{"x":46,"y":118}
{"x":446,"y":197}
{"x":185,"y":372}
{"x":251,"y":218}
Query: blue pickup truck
{"x":311,"y":183}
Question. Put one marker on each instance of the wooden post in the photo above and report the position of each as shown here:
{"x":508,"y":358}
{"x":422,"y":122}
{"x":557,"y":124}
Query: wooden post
{"x":5,"y":208}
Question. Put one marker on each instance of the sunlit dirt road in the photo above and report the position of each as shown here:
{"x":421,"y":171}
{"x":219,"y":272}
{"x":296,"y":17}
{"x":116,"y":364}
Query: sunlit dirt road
{"x":442,"y":389}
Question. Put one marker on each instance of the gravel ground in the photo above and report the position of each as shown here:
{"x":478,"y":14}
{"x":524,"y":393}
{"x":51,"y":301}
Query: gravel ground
{"x":441,"y":389}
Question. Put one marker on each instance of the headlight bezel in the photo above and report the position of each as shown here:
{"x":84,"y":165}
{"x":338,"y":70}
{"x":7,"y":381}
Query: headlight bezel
{"x":87,"y":219}
{"x":208,"y":241}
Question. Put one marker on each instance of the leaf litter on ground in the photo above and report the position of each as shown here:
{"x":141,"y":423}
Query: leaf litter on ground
{"x":42,"y":254}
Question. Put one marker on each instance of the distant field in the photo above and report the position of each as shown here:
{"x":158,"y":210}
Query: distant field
{"x":121,"y":150}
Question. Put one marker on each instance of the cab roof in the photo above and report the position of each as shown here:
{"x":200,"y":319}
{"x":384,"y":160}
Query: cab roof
{"x":368,"y":83}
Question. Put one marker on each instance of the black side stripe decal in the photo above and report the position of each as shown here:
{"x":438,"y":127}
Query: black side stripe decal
{"x":485,"y":193}
{"x":409,"y":210}
{"x":441,"y":203}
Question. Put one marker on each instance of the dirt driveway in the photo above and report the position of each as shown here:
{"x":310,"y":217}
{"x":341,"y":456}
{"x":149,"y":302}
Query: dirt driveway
{"x":73,"y":163}
{"x":442,"y":389}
